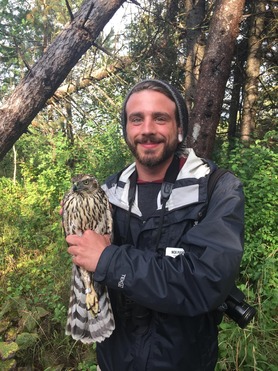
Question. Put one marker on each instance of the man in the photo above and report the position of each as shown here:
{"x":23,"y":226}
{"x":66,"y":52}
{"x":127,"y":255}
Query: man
{"x":168,"y":268}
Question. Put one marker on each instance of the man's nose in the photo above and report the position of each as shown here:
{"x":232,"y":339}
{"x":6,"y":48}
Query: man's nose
{"x":148,"y":126}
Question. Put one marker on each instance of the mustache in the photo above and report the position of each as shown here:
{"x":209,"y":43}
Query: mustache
{"x":151,"y":138}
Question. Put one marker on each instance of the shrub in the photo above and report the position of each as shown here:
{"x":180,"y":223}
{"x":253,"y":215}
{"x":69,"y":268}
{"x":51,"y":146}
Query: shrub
{"x":254,"y":347}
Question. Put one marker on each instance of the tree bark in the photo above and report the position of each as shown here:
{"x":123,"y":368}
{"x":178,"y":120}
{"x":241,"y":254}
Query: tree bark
{"x":49,"y":72}
{"x":238,"y":81}
{"x":252,"y":72}
{"x":195,"y":42}
{"x":214,"y":73}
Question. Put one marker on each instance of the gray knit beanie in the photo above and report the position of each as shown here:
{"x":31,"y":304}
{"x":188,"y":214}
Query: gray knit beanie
{"x":168,"y":90}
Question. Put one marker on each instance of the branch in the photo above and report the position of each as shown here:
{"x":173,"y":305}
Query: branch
{"x":70,"y":11}
{"x":87,"y":16}
{"x":100,"y":74}
{"x":51,"y":69}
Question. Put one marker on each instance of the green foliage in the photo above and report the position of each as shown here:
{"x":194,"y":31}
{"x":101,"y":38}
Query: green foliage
{"x":26,"y":30}
{"x":255,"y":347}
{"x":156,"y":37}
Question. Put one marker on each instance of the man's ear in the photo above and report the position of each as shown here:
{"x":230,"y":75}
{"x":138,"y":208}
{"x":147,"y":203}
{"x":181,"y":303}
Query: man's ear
{"x":180,"y":136}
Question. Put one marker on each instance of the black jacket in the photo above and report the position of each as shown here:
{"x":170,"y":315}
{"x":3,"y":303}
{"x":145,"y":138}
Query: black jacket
{"x":165,"y":307}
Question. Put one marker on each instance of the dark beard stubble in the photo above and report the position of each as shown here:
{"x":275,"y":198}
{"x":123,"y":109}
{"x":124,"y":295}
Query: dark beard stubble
{"x":151,"y":161}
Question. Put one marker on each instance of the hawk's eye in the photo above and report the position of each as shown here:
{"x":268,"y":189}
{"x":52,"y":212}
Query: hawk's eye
{"x":85,"y":182}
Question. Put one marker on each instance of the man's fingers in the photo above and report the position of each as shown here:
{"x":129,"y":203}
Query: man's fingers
{"x":72,"y":250}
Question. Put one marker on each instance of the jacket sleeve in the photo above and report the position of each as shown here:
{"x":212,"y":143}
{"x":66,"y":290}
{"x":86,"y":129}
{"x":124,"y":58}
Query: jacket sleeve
{"x":193,"y":283}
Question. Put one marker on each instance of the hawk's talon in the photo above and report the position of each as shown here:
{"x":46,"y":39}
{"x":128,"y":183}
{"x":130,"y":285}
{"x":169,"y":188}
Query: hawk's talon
{"x":92,"y":303}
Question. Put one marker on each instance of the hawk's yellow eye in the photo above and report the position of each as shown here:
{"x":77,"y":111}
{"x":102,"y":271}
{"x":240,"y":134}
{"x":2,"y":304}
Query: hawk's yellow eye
{"x":85,"y":182}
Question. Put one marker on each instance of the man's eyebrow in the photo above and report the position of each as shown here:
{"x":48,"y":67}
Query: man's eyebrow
{"x":155,"y":114}
{"x":135,"y":114}
{"x":161,"y":113}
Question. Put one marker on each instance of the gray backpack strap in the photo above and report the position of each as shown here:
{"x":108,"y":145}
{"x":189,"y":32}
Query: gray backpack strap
{"x":213,"y":179}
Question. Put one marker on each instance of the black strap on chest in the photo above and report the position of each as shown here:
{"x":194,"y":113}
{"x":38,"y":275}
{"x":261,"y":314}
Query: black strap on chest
{"x":169,"y":179}
{"x":166,"y":190}
{"x":131,"y":197}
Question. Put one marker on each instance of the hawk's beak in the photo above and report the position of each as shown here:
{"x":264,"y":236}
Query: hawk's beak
{"x":74,"y":187}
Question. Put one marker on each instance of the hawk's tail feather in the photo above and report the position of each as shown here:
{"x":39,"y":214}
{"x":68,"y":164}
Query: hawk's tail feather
{"x":81,"y":325}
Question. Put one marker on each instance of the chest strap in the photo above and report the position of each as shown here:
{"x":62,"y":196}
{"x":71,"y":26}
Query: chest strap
{"x":166,"y":190}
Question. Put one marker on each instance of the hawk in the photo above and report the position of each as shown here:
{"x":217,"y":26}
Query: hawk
{"x":86,"y":206}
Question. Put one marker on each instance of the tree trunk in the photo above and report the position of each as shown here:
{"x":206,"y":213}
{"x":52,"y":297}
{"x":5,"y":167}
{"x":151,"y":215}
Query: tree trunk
{"x":166,"y":56}
{"x":49,"y":72}
{"x":195,"y":10}
{"x":214,"y":73}
{"x":252,"y":72}
{"x":236,"y":102}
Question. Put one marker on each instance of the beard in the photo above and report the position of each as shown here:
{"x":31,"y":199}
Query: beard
{"x":149,"y":158}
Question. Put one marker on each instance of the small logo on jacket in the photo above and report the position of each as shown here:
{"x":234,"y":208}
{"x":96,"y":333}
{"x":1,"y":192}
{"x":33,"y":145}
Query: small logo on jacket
{"x":174,"y":251}
{"x":122,"y":280}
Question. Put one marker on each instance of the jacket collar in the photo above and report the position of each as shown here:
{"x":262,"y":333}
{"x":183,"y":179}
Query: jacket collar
{"x":194,"y":167}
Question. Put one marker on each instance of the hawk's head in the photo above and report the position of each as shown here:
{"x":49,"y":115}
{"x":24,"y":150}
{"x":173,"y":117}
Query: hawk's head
{"x":84,"y":183}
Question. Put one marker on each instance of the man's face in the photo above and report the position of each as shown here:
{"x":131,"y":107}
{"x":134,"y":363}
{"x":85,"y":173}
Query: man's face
{"x":151,"y":127}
